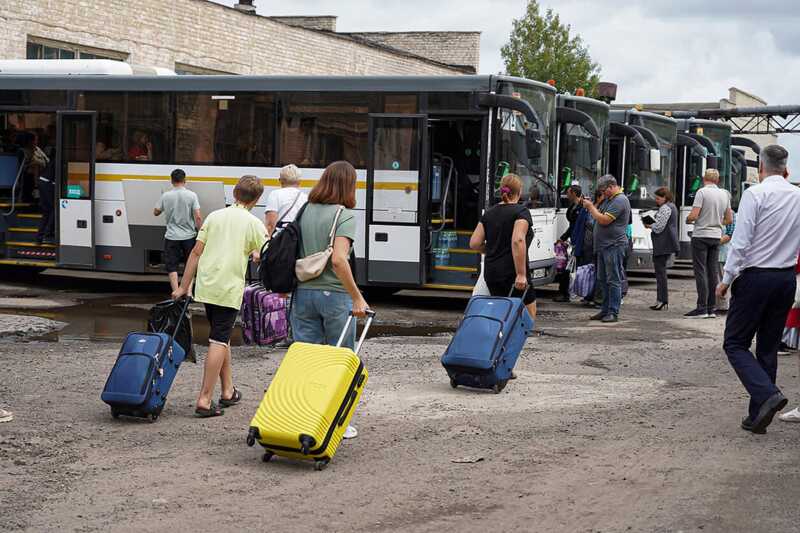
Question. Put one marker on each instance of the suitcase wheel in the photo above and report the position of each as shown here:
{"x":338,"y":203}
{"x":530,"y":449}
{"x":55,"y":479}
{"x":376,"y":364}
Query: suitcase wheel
{"x":499,"y":386}
{"x":114,"y":414}
{"x":153,"y":417}
{"x":320,"y":464}
{"x":267,"y":456}
{"x":453,"y":383}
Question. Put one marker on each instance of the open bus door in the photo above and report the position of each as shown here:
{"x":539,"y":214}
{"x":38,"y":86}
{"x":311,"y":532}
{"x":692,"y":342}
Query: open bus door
{"x":396,"y":186}
{"x":75,"y":191}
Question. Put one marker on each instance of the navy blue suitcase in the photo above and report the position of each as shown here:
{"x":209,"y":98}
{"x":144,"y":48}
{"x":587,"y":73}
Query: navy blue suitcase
{"x":487,"y":343}
{"x":143,"y":373}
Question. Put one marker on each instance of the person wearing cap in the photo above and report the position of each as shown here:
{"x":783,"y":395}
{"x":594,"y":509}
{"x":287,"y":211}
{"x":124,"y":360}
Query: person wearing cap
{"x":283,"y":204}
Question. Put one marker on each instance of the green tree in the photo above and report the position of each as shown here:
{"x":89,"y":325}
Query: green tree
{"x":541,"y":48}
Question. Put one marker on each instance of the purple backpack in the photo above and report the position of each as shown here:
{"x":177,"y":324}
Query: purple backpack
{"x":562,"y":256}
{"x":264,"y":317}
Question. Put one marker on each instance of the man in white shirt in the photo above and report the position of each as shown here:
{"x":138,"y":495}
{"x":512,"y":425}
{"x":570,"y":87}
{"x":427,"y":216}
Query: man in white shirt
{"x":283,"y":204}
{"x":760,"y":268}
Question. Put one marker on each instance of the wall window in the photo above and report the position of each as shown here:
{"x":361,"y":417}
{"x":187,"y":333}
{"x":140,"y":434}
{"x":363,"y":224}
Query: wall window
{"x":320,"y":128}
{"x":226,"y":129}
{"x":46,"y":49}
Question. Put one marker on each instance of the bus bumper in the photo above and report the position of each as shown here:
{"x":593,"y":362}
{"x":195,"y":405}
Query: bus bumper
{"x":543,"y":272}
{"x":640,"y":261}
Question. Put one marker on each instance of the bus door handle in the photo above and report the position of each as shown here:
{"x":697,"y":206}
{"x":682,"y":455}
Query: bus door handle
{"x":382,"y":237}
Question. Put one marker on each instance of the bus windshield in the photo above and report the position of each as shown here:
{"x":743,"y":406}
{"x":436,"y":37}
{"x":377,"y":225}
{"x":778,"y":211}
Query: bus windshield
{"x":721,"y":137}
{"x":575,"y":150}
{"x":640,"y":183}
{"x":539,"y":188}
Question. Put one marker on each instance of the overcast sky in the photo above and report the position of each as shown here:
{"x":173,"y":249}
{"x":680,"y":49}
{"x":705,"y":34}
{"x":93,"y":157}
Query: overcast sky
{"x":655,"y":50}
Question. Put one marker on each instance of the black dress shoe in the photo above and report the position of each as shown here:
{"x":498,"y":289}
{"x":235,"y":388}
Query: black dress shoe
{"x":660,"y":307}
{"x":598,"y":316}
{"x":747,"y":425}
{"x":767,"y":412}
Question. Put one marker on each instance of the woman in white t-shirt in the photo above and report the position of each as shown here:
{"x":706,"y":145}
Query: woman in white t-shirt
{"x":284,"y":203}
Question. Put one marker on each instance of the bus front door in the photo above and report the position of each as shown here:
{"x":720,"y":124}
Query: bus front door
{"x":396,"y":213}
{"x":75,"y":190}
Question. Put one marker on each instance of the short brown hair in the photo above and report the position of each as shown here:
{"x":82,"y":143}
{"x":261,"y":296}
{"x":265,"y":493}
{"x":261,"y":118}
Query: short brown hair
{"x":510,"y":187}
{"x":663,"y":192}
{"x":336,"y":186}
{"x":248,"y":190}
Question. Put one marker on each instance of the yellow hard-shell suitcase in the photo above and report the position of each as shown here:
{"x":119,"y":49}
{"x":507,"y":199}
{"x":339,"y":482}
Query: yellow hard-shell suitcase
{"x":310,"y":401}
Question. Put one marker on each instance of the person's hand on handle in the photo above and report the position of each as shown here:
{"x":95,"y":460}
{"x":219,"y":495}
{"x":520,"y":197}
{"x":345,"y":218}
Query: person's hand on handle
{"x":722,"y":290}
{"x":360,"y":307}
{"x":521,"y":282}
{"x":179,"y":293}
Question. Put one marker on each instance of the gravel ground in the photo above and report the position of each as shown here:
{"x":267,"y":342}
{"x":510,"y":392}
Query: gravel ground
{"x":625,"y":427}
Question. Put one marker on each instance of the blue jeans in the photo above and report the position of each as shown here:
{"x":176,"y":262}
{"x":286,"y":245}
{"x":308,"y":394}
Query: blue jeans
{"x":610,"y":276}
{"x":319,"y":317}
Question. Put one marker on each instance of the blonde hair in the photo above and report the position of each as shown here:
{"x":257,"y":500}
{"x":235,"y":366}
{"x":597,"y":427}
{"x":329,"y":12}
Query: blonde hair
{"x":712,"y":175}
{"x":248,"y":190}
{"x":510,"y":187}
{"x":290,"y":175}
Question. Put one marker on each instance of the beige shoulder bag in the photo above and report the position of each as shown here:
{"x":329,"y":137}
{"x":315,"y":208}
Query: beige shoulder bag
{"x":312,"y":266}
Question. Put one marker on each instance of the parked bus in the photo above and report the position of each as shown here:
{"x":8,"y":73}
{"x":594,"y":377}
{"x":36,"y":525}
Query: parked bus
{"x":703,"y":144}
{"x":642,"y":153}
{"x":428,"y":152}
{"x":581,"y":147}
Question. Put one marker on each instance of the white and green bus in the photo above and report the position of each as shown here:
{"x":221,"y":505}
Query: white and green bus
{"x":428,"y":151}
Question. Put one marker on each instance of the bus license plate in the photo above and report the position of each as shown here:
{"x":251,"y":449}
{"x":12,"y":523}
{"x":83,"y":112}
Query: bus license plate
{"x":539,"y":273}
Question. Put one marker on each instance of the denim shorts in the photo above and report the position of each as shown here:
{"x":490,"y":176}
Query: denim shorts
{"x":319,"y":317}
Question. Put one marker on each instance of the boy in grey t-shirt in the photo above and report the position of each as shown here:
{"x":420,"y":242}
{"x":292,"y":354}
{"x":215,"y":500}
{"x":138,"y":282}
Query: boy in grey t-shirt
{"x":710,"y":213}
{"x":181,"y":207}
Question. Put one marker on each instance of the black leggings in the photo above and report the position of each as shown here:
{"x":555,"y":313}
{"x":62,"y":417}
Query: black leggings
{"x":504,"y":287}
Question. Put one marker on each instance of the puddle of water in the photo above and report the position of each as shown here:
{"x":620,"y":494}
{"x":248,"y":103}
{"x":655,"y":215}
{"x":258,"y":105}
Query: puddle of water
{"x":109,"y":321}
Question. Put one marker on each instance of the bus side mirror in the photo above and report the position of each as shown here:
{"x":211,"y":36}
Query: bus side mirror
{"x":713,"y":161}
{"x":596,"y":149}
{"x":533,"y":143}
{"x":655,"y":160}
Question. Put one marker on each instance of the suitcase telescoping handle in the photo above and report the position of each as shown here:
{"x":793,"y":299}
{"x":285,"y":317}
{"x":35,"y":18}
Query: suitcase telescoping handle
{"x":184,"y":309}
{"x":370,"y":318}
{"x":524,"y":293}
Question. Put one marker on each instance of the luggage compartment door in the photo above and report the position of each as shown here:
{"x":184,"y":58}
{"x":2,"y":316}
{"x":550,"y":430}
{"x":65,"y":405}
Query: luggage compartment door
{"x":75,"y":188}
{"x":396,"y":212}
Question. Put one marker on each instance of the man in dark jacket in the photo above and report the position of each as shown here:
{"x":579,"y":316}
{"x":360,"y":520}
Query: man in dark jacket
{"x":574,"y":195}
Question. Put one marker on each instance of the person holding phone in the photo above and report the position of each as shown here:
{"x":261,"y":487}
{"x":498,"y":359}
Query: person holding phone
{"x":664,"y":234}
{"x":504,"y":236}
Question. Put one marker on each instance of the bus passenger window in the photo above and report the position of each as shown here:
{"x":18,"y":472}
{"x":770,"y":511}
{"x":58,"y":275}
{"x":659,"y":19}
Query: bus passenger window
{"x":148,"y":128}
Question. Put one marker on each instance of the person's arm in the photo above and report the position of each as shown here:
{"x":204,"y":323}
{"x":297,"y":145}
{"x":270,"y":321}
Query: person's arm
{"x":190,"y":271}
{"x":728,"y":216}
{"x":157,"y":211}
{"x":662,"y":218}
{"x":159,"y":208}
{"x":477,"y":241}
{"x":272,"y":220}
{"x":696,"y":207}
{"x":740,"y":242}
{"x":341,"y":267}
{"x":198,"y":218}
{"x":519,"y":252}
{"x":604,"y":219}
{"x":729,"y":229}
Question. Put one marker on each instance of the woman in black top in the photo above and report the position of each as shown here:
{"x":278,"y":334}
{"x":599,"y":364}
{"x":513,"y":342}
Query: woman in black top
{"x":664,"y":234}
{"x":504,"y":234}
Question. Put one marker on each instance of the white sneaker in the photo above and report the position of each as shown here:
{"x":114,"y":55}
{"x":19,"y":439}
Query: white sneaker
{"x":6,"y":416}
{"x":350,"y":433}
{"x":791,"y":416}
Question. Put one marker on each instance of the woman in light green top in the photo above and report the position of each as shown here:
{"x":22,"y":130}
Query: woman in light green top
{"x":321,"y":305}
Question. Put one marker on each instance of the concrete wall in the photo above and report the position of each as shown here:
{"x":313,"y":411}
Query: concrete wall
{"x":453,"y":48}
{"x":199,"y":33}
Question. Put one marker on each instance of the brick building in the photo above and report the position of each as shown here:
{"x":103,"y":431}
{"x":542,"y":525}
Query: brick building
{"x":202,"y":37}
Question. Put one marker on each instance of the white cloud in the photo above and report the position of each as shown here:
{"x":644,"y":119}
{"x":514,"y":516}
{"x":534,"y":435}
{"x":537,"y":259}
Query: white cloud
{"x":655,"y":50}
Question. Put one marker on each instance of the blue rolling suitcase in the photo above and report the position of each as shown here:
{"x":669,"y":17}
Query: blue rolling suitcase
{"x":143,"y":373}
{"x":487,"y":343}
